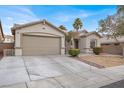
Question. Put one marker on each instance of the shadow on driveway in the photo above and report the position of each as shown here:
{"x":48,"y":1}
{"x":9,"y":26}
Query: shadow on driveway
{"x":119,"y":84}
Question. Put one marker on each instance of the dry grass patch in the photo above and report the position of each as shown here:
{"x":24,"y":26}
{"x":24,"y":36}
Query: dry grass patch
{"x":105,"y":61}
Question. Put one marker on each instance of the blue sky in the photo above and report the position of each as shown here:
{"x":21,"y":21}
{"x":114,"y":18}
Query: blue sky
{"x":57,"y":15}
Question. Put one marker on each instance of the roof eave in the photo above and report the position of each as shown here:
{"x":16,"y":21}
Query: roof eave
{"x":29,"y":24}
{"x":55,"y":27}
{"x":88,"y":34}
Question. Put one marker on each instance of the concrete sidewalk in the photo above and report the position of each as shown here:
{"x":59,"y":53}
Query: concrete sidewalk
{"x":54,"y":72}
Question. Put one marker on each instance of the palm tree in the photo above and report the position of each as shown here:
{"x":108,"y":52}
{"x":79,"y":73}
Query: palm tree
{"x":77,"y":24}
{"x":62,"y":27}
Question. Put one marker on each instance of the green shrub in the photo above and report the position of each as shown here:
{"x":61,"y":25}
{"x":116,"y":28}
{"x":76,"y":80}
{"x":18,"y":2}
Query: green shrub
{"x":74,"y":52}
{"x":97,"y":50}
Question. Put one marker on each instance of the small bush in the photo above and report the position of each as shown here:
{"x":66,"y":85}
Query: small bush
{"x":97,"y":50}
{"x":74,"y":52}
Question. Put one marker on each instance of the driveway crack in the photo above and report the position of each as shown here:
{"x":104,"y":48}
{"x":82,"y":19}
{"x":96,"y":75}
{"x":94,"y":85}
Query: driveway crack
{"x":26,"y":69}
{"x":26,"y":85}
{"x":59,"y":83}
{"x":59,"y":64}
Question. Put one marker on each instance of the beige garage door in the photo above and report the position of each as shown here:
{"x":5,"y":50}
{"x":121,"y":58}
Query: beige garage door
{"x":36,"y":45}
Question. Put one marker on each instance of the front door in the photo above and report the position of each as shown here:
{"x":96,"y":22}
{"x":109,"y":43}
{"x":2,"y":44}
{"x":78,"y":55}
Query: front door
{"x":76,"y":43}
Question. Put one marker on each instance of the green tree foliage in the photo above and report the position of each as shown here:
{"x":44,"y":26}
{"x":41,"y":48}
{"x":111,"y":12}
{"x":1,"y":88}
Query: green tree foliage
{"x":77,"y":24}
{"x":62,"y":27}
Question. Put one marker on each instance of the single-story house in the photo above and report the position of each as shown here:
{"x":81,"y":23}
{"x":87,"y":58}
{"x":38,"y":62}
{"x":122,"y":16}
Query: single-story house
{"x":38,"y":38}
{"x":85,"y":40}
{"x":112,"y":45}
{"x":1,"y":33}
{"x":43,"y":38}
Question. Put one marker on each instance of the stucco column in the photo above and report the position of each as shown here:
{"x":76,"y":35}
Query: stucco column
{"x":18,"y":50}
{"x":62,"y":45}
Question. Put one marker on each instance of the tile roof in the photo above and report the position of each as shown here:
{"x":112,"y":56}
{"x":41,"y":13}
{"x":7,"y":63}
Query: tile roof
{"x":90,"y":33}
{"x":19,"y":26}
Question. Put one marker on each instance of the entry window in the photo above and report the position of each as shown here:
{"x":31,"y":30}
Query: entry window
{"x":93,"y":43}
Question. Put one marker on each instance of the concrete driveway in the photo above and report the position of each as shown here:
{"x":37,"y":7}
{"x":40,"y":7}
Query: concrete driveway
{"x":54,"y":71}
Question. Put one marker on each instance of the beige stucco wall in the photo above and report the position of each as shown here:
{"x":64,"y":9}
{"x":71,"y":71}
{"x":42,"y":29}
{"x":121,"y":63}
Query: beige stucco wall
{"x":82,"y":44}
{"x":85,"y":43}
{"x":38,"y":29}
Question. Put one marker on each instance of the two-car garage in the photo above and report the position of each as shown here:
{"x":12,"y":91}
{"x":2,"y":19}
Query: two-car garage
{"x":39,"y":45}
{"x":38,"y":38}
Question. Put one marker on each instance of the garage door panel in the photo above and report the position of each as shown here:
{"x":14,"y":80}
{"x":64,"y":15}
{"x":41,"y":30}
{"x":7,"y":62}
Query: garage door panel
{"x":33,"y":45}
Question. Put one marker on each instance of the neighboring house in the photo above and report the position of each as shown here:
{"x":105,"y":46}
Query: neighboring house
{"x":112,"y":46}
{"x":38,"y":38}
{"x":4,"y":46}
{"x":1,"y":33}
{"x":8,"y":39}
{"x":85,"y":40}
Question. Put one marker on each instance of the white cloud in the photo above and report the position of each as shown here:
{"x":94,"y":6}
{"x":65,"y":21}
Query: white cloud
{"x":15,"y":14}
{"x":71,"y":15}
{"x":9,"y":18}
{"x":67,"y":16}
